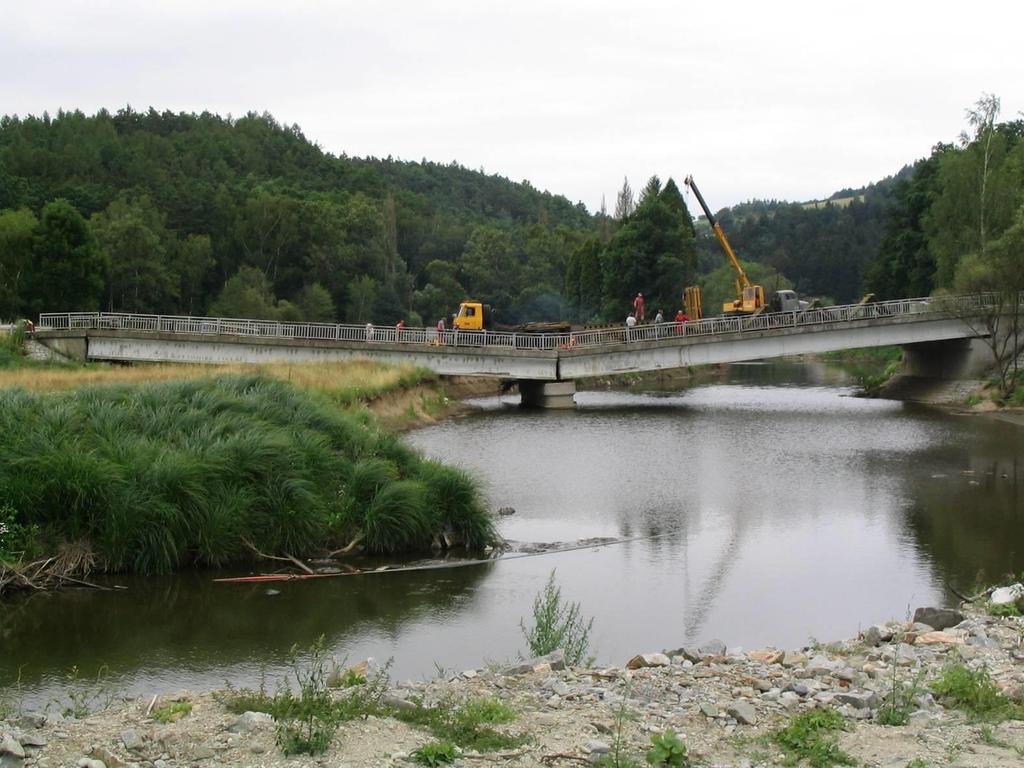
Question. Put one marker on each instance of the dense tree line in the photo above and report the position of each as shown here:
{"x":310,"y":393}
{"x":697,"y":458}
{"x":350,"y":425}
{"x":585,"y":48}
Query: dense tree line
{"x":195,"y":214}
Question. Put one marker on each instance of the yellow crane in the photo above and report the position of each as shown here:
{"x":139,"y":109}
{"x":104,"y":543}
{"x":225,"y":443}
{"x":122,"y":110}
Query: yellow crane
{"x":749,"y":297}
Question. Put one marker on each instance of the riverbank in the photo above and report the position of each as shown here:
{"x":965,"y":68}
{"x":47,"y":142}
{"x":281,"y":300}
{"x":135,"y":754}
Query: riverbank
{"x":728,"y":706}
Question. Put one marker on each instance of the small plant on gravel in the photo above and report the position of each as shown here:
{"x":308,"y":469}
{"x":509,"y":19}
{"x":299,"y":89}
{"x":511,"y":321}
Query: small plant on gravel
{"x":917,"y":762}
{"x":811,"y":737}
{"x":306,"y":723}
{"x":667,"y":749}
{"x":1002,"y":609}
{"x":172,"y":712}
{"x":900,"y":700}
{"x":86,"y":695}
{"x":617,"y":757}
{"x":466,"y":724}
{"x":351,"y":678}
{"x":975,"y":693}
{"x":557,"y":625}
{"x":436,"y":753}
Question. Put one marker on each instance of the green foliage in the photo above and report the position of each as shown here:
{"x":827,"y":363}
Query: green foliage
{"x":557,"y":625}
{"x":918,"y":762}
{"x":172,"y":712}
{"x":466,"y":724}
{"x":162,"y":476}
{"x":1002,"y":609}
{"x":17,"y":540}
{"x":900,"y":701}
{"x":811,"y":737}
{"x":719,"y":286}
{"x":667,"y":749}
{"x":17,"y":232}
{"x":83,"y":696}
{"x":436,"y":753}
{"x":618,"y":756}
{"x":67,"y":265}
{"x":974,"y":692}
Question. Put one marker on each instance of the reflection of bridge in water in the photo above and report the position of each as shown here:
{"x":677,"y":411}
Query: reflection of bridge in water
{"x":937,"y":334}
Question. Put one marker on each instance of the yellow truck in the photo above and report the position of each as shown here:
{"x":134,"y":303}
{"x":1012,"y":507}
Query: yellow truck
{"x":477,"y":316}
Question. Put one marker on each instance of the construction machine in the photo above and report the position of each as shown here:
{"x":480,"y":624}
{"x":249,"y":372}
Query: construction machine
{"x":749,"y":297}
{"x":477,"y":316}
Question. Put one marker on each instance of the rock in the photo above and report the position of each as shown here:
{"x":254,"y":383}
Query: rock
{"x":937,"y":638}
{"x":554,"y":660}
{"x":876,"y":635}
{"x":857,"y":700}
{"x":1007,"y":595}
{"x":397,"y":702}
{"x":793,"y":659}
{"x":506,"y":511}
{"x":556,"y":686}
{"x":88,"y":762}
{"x":602,"y":727}
{"x":709,"y":710}
{"x":203,"y":753}
{"x":30,"y":720}
{"x":108,"y":758}
{"x":32,"y":740}
{"x":820,"y":665}
{"x":132,"y":740}
{"x":10,"y":761}
{"x":743,"y":712}
{"x":768,"y":656}
{"x":469,"y":674}
{"x":11,"y":746}
{"x":711,"y":648}
{"x":788,"y":699}
{"x":596,"y":747}
{"x":938,"y":618}
{"x":251,"y":721}
{"x":648,"y":660}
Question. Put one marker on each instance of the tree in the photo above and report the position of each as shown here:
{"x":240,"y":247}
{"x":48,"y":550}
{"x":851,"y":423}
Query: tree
{"x":624,"y":205}
{"x":247,"y":295}
{"x":362,"y":296}
{"x":134,"y":241}
{"x":443,"y":292}
{"x":17,"y":230}
{"x":193,"y":261}
{"x":67,"y":265}
{"x":999,"y":272}
{"x":982,"y":118}
{"x":315,"y":305}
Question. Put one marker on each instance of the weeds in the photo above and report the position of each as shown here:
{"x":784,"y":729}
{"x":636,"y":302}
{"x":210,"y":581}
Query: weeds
{"x":668,"y":749}
{"x":467,"y":724}
{"x":900,"y":702}
{"x":172,"y":712}
{"x":917,"y":762}
{"x":618,"y":757}
{"x":975,"y":693}
{"x":1002,"y":609}
{"x":436,"y":753}
{"x":811,"y":737}
{"x":557,"y":625}
{"x":86,"y":695}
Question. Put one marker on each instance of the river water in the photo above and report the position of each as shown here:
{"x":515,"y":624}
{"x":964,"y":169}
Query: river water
{"x":768,"y":507}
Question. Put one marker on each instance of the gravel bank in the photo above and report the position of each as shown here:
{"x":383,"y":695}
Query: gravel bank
{"x":723,"y":701}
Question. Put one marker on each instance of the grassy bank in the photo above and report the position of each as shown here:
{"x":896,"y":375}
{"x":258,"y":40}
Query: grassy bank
{"x":157,"y":476}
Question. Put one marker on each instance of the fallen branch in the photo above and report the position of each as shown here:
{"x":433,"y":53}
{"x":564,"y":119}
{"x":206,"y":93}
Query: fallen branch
{"x":348,"y":547}
{"x":549,"y":759}
{"x":301,"y":564}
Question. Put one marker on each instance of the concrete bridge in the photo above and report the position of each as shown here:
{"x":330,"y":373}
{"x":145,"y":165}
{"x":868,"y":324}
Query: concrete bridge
{"x":937,"y":335}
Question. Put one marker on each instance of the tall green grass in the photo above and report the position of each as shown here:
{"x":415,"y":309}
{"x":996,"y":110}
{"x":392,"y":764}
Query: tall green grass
{"x":161,"y":476}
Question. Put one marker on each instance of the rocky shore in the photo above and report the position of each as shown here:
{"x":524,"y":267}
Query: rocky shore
{"x":725,"y":703}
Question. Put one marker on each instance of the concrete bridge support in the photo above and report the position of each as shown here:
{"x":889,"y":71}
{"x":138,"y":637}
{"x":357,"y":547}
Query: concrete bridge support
{"x":947,"y":360}
{"x":548,"y":394}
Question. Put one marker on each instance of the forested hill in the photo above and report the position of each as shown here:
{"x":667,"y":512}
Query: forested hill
{"x":175,"y":205}
{"x":201,"y":214}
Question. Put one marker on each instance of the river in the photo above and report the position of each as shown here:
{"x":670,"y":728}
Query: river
{"x":767,"y":507}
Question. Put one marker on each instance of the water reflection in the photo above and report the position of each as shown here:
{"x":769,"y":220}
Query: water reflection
{"x":763,"y":508}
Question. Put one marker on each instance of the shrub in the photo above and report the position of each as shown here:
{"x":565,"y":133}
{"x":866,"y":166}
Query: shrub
{"x":810,"y":737}
{"x":667,"y":749}
{"x":974,"y":692}
{"x":557,"y":625}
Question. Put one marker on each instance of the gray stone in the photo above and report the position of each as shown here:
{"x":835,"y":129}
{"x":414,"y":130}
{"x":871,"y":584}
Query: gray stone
{"x":108,"y":758}
{"x":596,"y":747}
{"x":132,"y":740}
{"x":397,"y":702}
{"x":938,"y":618}
{"x":792,"y":659}
{"x":711,"y":648}
{"x":820,"y":665}
{"x":788,"y":699}
{"x":88,"y":762}
{"x":32,"y":739}
{"x":1007,"y":595}
{"x":203,"y":753}
{"x":709,"y":709}
{"x":743,"y":712}
{"x":251,"y":721}
{"x":554,"y":660}
{"x":799,"y":689}
{"x":29,"y":720}
{"x":11,"y":746}
{"x":10,"y":761}
{"x":857,"y":700}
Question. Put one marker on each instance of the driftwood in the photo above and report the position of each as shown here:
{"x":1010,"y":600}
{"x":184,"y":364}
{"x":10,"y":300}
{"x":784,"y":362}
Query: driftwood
{"x":348,"y":547}
{"x":286,"y":559}
{"x":68,"y":566}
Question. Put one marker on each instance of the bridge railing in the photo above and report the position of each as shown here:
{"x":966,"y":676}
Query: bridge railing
{"x":596,"y":337}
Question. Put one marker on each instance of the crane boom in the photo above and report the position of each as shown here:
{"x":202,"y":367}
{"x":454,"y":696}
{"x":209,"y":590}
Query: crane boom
{"x":749,"y":297}
{"x":741,"y":276}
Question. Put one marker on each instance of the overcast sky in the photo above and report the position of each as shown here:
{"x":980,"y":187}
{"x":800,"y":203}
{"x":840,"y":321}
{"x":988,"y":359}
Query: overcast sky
{"x":787,"y":100}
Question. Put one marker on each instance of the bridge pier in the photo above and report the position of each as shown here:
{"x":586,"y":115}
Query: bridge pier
{"x":947,"y":360}
{"x":547,"y":394}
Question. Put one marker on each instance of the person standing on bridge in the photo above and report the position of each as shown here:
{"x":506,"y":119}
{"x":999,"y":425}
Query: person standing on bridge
{"x":658,"y":320}
{"x":399,"y":327}
{"x":681,"y":319}
{"x":638,"y":307}
{"x":440,"y":331}
{"x":630,"y":325}
{"x":369,"y":331}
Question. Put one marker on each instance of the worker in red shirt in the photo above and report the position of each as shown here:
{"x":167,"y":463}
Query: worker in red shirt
{"x":681,"y":319}
{"x":399,"y":327}
{"x":638,"y":307}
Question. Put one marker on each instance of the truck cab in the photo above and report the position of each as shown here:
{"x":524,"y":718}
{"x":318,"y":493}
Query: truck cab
{"x":472,"y":316}
{"x":786,"y":301}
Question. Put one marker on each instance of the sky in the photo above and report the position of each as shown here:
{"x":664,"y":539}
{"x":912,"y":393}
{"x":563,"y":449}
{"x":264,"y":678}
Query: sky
{"x":785,"y":100}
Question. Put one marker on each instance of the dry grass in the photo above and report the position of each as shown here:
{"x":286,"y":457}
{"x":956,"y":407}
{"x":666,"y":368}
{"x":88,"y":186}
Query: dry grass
{"x":346,"y":381}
